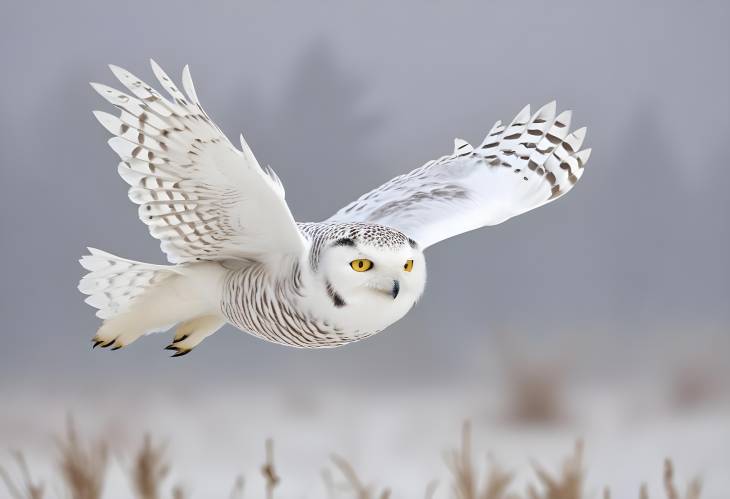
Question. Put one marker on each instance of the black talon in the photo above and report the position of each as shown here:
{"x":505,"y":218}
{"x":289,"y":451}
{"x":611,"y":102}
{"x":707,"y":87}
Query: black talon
{"x":182,"y":352}
{"x":96,"y":343}
{"x":181,"y":338}
{"x":109,"y":344}
{"x":170,"y":347}
{"x":117,"y":347}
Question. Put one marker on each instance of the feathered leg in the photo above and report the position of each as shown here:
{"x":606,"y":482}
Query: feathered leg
{"x":191,"y":333}
{"x":137,"y":298}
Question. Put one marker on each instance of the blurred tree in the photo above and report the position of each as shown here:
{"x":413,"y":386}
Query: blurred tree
{"x":320,"y":137}
{"x":642,"y":223}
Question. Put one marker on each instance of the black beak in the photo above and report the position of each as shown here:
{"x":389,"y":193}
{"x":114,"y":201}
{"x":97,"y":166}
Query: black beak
{"x":396,"y":289}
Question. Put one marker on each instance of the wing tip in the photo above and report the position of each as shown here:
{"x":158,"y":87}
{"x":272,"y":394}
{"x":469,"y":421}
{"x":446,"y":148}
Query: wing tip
{"x":101,"y":89}
{"x":564,"y":117}
{"x":551,"y":107}
{"x":244,"y":145}
{"x":461,"y":146}
{"x":188,"y":86}
{"x":583,"y":156}
{"x":120,"y":73}
{"x":158,"y":71}
{"x":102,"y":117}
{"x":525,"y":111}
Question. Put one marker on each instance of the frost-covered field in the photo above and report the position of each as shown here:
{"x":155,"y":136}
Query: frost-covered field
{"x":395,"y":439}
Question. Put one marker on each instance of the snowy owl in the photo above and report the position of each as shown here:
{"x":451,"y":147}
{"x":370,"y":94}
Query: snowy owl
{"x":237,"y":255}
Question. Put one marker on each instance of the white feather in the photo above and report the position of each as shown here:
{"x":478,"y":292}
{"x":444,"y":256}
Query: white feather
{"x":198,"y":194}
{"x":515,"y":169}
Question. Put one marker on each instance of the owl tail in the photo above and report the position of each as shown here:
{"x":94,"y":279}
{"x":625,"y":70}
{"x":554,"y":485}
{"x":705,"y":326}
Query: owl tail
{"x":114,"y":283}
{"x":136,"y":298}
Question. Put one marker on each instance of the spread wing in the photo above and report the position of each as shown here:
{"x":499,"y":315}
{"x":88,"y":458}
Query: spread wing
{"x":517,"y":168}
{"x":199,"y":195}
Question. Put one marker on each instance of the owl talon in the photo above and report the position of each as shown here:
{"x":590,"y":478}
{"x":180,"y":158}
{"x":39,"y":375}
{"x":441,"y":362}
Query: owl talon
{"x":181,"y":338}
{"x":96,"y":343}
{"x":179,"y":351}
{"x":105,"y":345}
{"x":117,"y":347}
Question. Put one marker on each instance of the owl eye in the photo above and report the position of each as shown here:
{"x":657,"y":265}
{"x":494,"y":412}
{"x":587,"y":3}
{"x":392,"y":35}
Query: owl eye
{"x":361,"y":265}
{"x":408,"y":266}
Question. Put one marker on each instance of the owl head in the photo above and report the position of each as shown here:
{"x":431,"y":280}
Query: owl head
{"x":372,"y":267}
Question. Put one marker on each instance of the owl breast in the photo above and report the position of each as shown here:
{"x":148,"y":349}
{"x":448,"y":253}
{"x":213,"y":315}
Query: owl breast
{"x":279,"y":310}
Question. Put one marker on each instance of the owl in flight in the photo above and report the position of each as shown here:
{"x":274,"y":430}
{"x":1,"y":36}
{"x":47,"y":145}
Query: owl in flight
{"x":237,"y":255}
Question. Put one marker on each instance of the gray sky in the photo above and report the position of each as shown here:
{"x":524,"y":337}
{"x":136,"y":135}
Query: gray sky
{"x":338,"y":98}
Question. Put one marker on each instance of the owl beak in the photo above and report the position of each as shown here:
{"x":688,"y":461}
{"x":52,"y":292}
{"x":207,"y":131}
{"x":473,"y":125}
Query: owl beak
{"x":389,"y":287}
{"x":386,"y":285}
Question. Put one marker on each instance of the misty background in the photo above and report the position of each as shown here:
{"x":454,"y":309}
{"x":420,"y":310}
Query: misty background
{"x":628,"y":273}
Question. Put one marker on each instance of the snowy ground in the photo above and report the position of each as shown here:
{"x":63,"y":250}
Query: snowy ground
{"x":395,"y":439}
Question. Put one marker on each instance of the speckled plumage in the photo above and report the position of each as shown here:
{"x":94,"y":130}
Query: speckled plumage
{"x":278,"y":310}
{"x":319,"y":233}
{"x":240,"y":258}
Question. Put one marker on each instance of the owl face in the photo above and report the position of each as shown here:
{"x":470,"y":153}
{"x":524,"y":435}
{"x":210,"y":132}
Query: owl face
{"x":373,"y":273}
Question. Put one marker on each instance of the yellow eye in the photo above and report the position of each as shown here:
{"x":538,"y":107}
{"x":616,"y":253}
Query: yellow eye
{"x":408,"y":266}
{"x":361,"y":265}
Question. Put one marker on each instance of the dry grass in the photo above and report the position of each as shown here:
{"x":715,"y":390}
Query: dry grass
{"x":694,"y":489}
{"x":535,"y":394}
{"x":268,"y":470}
{"x":82,"y":467}
{"x":352,"y":484}
{"x":567,"y":485}
{"x":466,"y":481}
{"x":27,"y":488}
{"x":149,"y":470}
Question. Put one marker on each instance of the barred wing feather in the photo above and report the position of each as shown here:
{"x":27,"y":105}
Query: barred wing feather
{"x":519,"y":167}
{"x":199,"y":195}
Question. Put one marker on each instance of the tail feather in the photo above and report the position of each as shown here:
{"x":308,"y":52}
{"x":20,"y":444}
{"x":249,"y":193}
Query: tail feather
{"x":114,"y":284}
{"x":136,"y":298}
